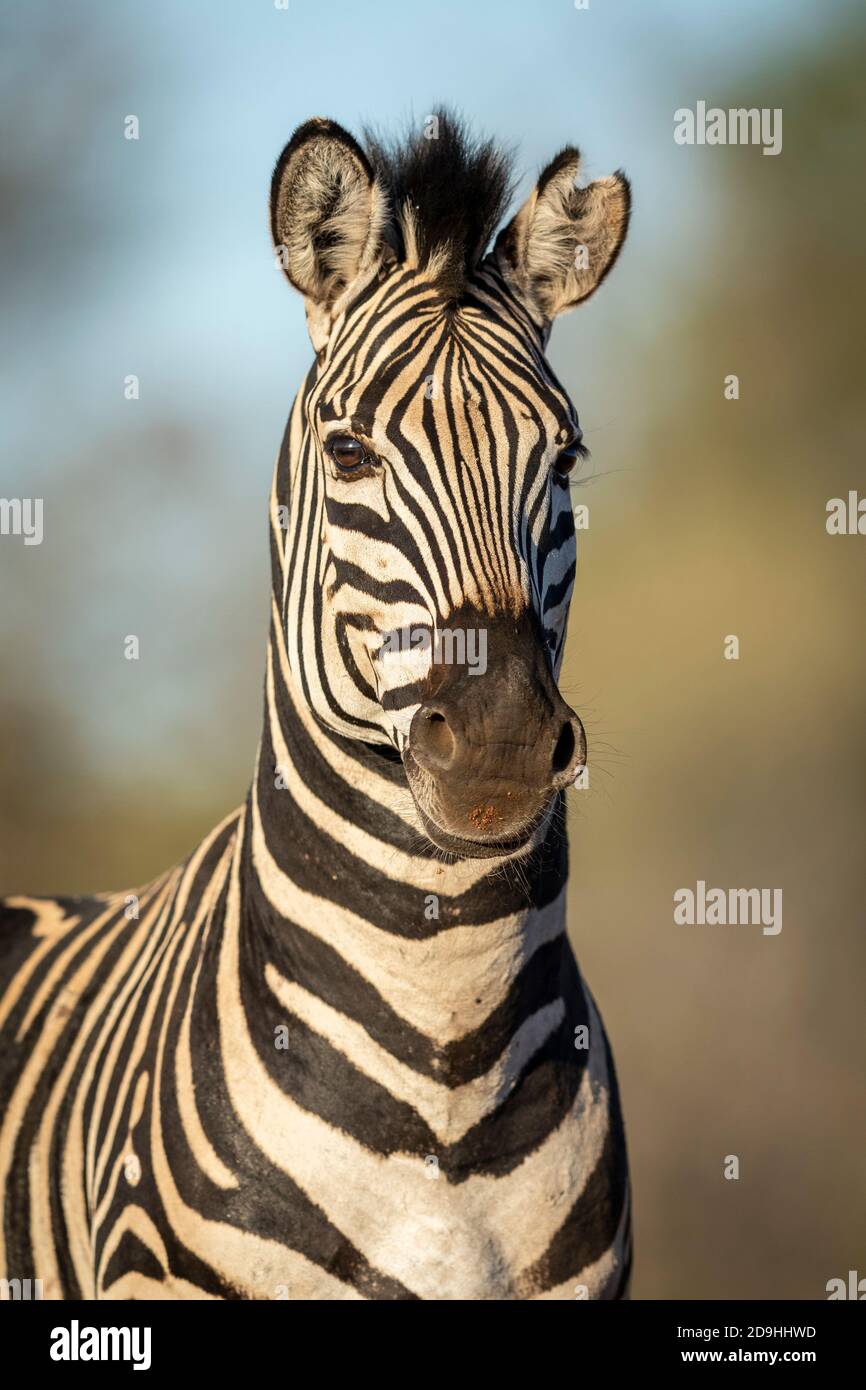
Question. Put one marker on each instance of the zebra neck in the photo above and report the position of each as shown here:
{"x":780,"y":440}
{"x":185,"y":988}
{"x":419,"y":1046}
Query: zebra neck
{"x":360,"y":915}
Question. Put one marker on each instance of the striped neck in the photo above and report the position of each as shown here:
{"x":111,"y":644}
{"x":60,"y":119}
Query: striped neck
{"x":439,"y":980}
{"x":438,"y":984}
{"x":339,"y":876}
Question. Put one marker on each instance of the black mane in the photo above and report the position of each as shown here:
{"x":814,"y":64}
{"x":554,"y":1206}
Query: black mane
{"x":458,"y":188}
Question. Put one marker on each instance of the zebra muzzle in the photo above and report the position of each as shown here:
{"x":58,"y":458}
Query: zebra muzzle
{"x":486,"y":754}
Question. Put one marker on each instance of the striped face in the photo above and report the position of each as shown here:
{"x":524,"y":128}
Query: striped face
{"x":429,"y":556}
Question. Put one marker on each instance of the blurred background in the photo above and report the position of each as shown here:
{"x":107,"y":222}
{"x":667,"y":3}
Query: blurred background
{"x":707,"y":518}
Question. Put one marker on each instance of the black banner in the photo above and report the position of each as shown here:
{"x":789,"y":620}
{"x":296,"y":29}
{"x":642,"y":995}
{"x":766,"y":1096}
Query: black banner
{"x":83,"y":1339}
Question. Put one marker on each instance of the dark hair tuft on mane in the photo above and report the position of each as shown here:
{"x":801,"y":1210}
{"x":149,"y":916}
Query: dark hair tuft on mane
{"x":457,"y":188}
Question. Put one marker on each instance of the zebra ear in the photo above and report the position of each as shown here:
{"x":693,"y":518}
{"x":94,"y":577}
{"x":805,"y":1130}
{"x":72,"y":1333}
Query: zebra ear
{"x":558,"y":248}
{"x":328,"y":214}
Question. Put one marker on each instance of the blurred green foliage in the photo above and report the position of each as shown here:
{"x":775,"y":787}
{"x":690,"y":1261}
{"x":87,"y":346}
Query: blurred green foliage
{"x":707,"y":518}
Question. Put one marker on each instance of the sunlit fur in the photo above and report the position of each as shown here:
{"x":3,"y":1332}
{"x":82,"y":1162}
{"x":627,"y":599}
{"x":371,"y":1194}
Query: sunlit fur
{"x":466,"y":418}
{"x":321,"y":1058}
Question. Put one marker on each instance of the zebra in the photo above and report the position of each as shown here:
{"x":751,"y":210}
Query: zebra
{"x":344,"y":1049}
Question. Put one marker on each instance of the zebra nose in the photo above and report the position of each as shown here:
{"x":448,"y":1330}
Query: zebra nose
{"x":551,"y":762}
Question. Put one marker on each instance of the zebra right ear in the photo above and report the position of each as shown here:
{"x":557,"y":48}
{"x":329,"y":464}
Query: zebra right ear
{"x":328,"y":213}
{"x":560,"y":245}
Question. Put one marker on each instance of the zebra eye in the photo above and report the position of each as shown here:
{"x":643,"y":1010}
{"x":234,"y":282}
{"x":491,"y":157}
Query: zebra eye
{"x":348,"y":454}
{"x":569,"y":456}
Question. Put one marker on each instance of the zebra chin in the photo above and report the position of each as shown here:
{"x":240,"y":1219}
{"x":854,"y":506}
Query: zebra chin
{"x":488,"y":757}
{"x":465,"y":847}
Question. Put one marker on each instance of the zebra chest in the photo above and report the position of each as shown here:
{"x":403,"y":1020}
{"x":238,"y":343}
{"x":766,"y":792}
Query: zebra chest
{"x":455,"y":1242}
{"x":306,"y":1210}
{"x":418,"y":1231}
{"x":333,"y":1170}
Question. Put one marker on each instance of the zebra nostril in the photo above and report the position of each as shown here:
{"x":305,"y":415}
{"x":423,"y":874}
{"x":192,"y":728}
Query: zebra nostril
{"x":440,"y":740}
{"x":564,"y":750}
{"x":569,"y":752}
{"x":431,"y":739}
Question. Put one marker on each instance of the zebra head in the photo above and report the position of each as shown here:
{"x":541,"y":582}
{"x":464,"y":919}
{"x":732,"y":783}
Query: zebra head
{"x":427,"y":551}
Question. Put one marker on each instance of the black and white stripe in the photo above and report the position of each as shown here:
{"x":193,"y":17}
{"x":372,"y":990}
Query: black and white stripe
{"x":155,"y":1141}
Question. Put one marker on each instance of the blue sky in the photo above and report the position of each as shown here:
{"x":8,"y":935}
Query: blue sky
{"x":153,"y":257}
{"x":185,"y":291}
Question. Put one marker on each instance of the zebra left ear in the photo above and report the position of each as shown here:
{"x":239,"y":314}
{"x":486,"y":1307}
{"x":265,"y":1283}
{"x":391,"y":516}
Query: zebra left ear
{"x":558,"y":248}
{"x":328,"y":213}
